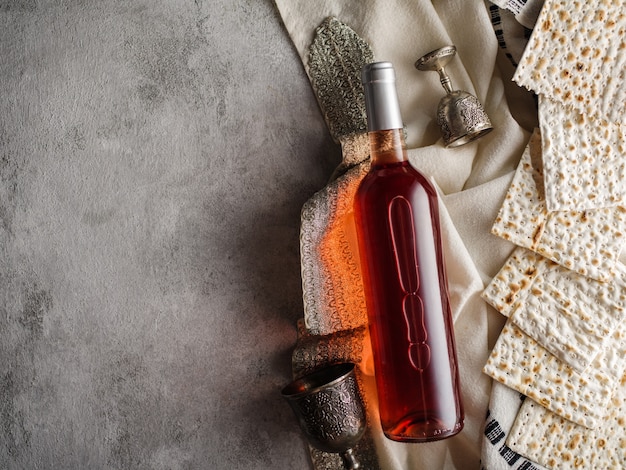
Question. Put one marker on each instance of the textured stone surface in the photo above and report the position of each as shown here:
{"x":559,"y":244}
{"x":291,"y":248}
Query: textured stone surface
{"x":154,"y":158}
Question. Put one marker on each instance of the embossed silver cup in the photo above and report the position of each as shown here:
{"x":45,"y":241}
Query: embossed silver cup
{"x":330,"y":410}
{"x":460,"y":115}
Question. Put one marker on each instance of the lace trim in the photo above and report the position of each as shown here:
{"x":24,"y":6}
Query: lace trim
{"x":336,"y":58}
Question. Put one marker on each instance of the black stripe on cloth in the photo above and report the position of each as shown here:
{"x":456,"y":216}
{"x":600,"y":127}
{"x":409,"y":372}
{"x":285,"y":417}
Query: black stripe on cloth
{"x":526,"y":465}
{"x":516,"y":5}
{"x":494,"y":432}
{"x":510,"y":456}
{"x":496,"y":22}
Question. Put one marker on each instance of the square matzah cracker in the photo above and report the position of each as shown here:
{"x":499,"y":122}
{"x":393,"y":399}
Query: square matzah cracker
{"x":520,"y":363}
{"x":588,"y":242}
{"x":568,"y":314}
{"x":513,"y":280}
{"x":583,"y":159}
{"x":577,"y":56}
{"x":556,"y":443}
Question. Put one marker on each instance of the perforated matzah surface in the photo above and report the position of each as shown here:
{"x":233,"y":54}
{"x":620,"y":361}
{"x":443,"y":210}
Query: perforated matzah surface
{"x":568,"y":314}
{"x":556,"y":443}
{"x":588,"y":242}
{"x":519,"y":362}
{"x":513,"y":279}
{"x":584,"y":160}
{"x":577,"y":56}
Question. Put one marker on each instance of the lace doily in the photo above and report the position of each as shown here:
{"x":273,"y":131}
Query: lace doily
{"x":334,"y":327}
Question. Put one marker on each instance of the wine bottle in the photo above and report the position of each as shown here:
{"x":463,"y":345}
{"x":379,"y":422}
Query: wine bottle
{"x":406,"y":292}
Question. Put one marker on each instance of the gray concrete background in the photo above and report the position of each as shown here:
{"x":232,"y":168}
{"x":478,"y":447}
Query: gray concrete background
{"x":154,"y":157}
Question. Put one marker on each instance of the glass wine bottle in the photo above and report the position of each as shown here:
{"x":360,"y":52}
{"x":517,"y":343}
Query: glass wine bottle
{"x":399,"y":237}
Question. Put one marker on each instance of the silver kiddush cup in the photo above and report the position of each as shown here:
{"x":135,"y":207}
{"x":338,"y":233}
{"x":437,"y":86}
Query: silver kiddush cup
{"x":460,"y":115}
{"x":330,"y":410}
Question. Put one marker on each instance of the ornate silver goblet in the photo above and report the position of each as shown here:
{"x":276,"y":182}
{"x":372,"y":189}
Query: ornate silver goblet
{"x":460,"y":115}
{"x":330,"y":410}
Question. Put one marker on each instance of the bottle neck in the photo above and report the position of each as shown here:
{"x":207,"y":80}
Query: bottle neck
{"x":384,"y":122}
{"x":387,"y":147}
{"x":381,"y":99}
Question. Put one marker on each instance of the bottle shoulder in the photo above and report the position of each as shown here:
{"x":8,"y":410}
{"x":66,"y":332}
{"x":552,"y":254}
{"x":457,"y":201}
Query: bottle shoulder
{"x":401,"y":174}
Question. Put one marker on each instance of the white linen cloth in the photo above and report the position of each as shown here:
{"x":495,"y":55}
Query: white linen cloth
{"x":504,"y":405}
{"x":473,"y":179}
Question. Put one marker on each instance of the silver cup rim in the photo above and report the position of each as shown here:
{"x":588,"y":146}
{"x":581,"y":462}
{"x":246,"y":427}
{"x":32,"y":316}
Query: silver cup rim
{"x":318,"y":380}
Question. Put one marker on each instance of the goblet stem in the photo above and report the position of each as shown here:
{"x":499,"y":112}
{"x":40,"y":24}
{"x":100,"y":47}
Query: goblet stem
{"x":349,"y":460}
{"x":444,"y":78}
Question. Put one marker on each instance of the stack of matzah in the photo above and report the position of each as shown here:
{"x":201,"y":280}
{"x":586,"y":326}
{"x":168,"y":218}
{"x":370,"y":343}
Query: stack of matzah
{"x":564,"y":289}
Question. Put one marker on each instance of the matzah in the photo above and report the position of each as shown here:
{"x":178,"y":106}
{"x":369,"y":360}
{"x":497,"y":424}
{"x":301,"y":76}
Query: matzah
{"x":583,"y":159}
{"x":577,"y":56}
{"x":568,"y":314}
{"x":520,"y":363}
{"x":556,"y":443}
{"x":588,"y":242}
{"x":513,"y":280}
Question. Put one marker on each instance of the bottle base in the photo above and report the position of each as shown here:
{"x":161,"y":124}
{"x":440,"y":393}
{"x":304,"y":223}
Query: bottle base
{"x":421,"y":431}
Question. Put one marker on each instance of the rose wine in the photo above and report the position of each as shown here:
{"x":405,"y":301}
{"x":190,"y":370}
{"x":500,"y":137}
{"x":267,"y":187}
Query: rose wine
{"x":410,"y":322}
